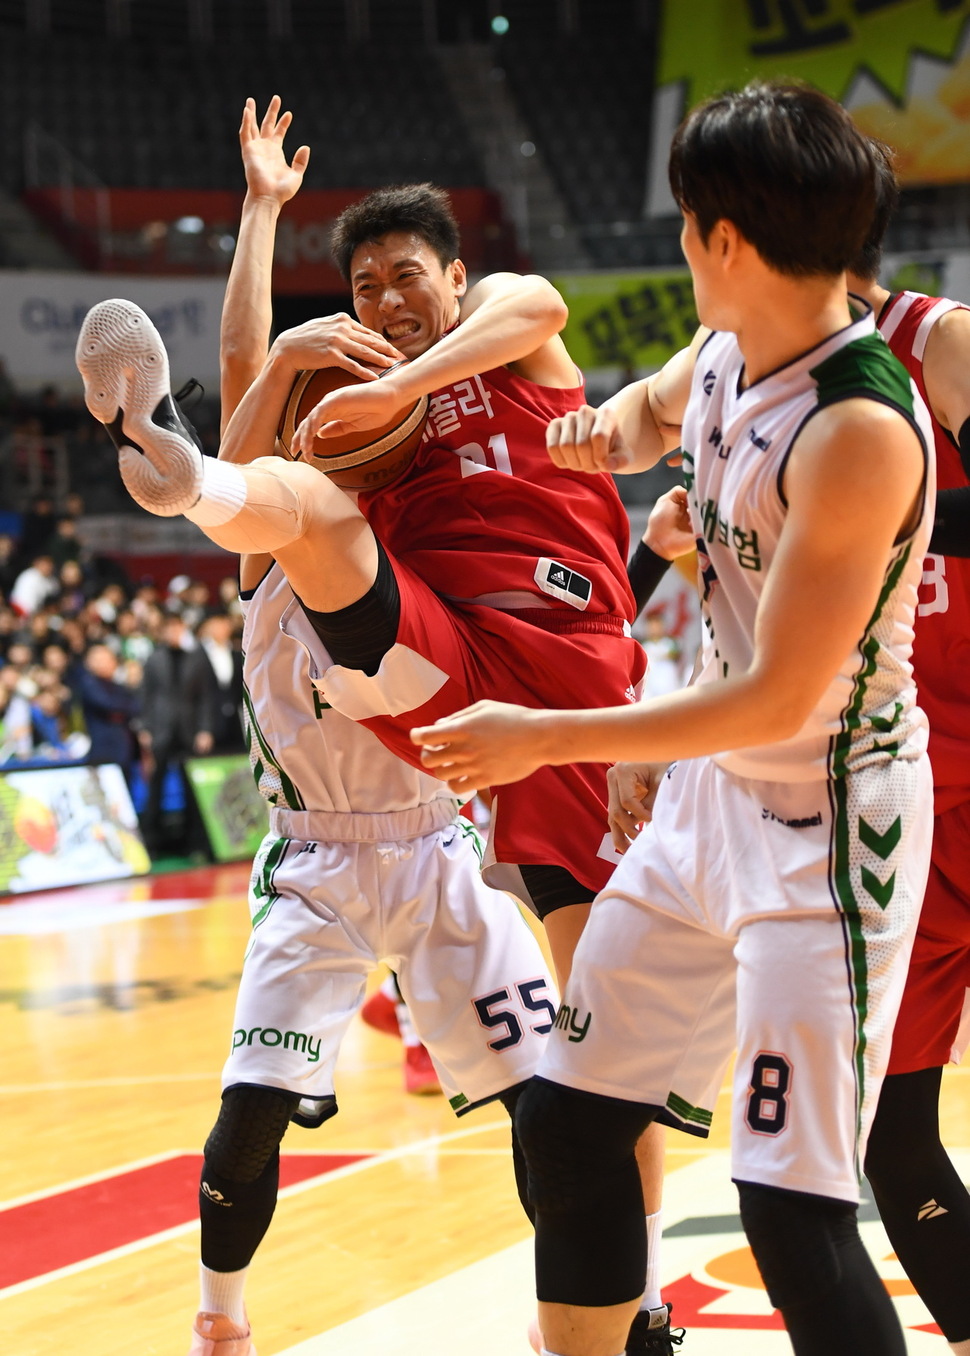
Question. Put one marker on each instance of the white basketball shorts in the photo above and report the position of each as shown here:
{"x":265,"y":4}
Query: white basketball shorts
{"x":775,"y":917}
{"x":408,"y":892}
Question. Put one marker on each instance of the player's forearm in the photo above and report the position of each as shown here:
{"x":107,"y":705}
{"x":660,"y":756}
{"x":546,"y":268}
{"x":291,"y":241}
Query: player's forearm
{"x":505,"y":328}
{"x":247,"y":312}
{"x":734,"y":714}
{"x":637,"y":425}
{"x":251,"y":432}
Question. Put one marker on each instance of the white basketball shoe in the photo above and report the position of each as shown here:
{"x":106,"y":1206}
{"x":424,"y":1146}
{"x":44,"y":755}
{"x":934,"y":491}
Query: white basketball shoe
{"x":122,"y":359}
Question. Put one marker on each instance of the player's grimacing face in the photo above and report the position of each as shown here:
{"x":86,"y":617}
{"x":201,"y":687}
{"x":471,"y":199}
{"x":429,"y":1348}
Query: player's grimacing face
{"x":402,"y":291}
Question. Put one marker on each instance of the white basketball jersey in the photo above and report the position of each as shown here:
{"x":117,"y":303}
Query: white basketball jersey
{"x":305,"y":755}
{"x":737,"y":442}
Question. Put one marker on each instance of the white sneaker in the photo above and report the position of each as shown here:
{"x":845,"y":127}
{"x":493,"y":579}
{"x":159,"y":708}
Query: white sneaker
{"x":122,"y":359}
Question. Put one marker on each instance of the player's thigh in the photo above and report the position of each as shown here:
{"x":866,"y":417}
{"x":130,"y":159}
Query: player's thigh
{"x":305,"y":968}
{"x":648,"y":1013}
{"x":802,"y":1080}
{"x":471,"y":971}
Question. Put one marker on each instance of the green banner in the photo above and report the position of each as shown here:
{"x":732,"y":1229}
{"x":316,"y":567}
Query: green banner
{"x":233,"y":812}
{"x":900,"y":66}
{"x":629,"y":320}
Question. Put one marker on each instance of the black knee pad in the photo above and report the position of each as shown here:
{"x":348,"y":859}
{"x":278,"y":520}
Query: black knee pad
{"x":585,"y":1187}
{"x":509,"y":1100}
{"x":251,"y":1124}
{"x":797,"y":1240}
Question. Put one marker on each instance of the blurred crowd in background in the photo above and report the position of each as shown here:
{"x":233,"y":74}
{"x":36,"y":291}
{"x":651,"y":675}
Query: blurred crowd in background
{"x":95,"y":666}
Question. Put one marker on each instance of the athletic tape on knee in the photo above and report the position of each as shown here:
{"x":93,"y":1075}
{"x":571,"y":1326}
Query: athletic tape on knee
{"x":223,"y":494}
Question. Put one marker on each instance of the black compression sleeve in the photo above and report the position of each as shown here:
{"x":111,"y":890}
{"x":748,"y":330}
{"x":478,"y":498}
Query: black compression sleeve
{"x":951,"y":528}
{"x":645,"y":571}
{"x":963,"y":443}
{"x":359,"y":636}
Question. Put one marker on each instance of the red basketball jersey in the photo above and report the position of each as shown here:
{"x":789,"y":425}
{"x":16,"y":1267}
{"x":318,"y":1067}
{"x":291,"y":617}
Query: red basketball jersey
{"x":483,"y":515}
{"x":941,"y":653}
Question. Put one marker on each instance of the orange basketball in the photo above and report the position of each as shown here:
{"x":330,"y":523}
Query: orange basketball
{"x":354,"y":461}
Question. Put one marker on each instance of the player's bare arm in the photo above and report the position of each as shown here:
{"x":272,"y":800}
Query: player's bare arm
{"x":946,"y":370}
{"x":247,"y":314}
{"x":634,"y":428}
{"x":506,"y":319}
{"x":822,"y":589}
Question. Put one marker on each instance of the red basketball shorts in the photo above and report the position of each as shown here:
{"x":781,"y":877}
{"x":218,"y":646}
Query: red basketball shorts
{"x":449,"y":655}
{"x":926,"y":1034}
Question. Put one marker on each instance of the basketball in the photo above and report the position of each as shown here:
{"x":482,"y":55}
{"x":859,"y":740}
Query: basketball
{"x":354,"y":461}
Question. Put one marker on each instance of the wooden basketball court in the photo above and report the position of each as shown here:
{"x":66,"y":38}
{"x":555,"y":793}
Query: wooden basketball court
{"x":398,"y":1228}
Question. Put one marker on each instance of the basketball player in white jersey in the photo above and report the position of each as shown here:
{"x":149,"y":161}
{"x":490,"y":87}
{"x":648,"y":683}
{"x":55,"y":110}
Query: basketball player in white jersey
{"x":366,"y":860}
{"x":508,"y":333}
{"x":781,"y":875}
{"x":923,"y":1202}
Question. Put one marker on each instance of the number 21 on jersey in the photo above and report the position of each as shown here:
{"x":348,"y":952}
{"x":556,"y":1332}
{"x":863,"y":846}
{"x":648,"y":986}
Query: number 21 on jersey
{"x":494,"y":457}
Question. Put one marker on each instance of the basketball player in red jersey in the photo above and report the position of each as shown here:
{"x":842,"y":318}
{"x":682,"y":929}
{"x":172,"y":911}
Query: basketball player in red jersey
{"x":924,"y":1204}
{"x":486,"y":572}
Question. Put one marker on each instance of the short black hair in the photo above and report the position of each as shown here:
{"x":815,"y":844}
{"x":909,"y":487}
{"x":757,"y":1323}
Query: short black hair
{"x":784,"y":163}
{"x":418,"y":209}
{"x":867,"y":262}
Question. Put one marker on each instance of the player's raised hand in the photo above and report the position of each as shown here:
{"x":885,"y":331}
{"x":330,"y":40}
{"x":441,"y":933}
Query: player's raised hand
{"x":587,"y":439}
{"x":488,"y":744}
{"x":351,"y":409}
{"x":669,"y":533}
{"x":632,"y":791}
{"x":268,"y":175}
{"x":337,"y":341}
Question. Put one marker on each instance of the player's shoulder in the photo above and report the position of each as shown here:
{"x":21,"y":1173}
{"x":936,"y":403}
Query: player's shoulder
{"x":864,"y":368}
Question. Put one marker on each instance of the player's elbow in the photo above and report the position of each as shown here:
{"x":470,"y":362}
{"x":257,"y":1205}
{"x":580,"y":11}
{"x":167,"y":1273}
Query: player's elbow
{"x":545,"y":303}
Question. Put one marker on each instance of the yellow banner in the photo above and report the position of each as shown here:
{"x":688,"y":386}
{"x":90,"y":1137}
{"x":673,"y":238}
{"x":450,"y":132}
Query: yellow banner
{"x":901,"y":67}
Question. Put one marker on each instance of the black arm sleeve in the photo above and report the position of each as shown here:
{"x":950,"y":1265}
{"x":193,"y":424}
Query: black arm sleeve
{"x":645,"y":571}
{"x":951,"y":529}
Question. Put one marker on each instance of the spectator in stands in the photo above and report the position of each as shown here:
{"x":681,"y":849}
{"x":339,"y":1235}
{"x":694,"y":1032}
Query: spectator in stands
{"x":15,"y":727}
{"x":229,"y":599}
{"x":33,"y":586}
{"x":109,"y":602}
{"x":109,"y":709}
{"x":195,"y":604}
{"x":64,"y":543}
{"x":72,"y":596}
{"x":131,"y":639}
{"x":37,"y":529}
{"x":214,"y":686}
{"x":168,"y":727}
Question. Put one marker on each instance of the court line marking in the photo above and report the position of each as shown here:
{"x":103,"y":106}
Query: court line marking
{"x":180,"y":1230}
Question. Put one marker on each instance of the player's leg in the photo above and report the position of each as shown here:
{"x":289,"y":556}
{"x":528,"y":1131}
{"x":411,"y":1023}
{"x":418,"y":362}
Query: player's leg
{"x":644,"y":1032}
{"x":559,"y":900}
{"x":280,"y":1067}
{"x":803,"y":1082}
{"x":315,"y":531}
{"x":471,"y":971}
{"x":924,"y":1205}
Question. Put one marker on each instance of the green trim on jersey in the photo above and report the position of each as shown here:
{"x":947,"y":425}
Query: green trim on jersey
{"x":851,"y":716}
{"x":864,"y":367}
{"x":468,"y":830}
{"x":859,"y":963}
{"x":291,"y":796}
{"x":262,"y":886}
{"x":684,"y":1111}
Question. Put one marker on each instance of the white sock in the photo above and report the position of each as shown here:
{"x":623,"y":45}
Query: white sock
{"x":651,"y":1290}
{"x":961,"y":1348}
{"x":222,"y":1292}
{"x":223,"y":494}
